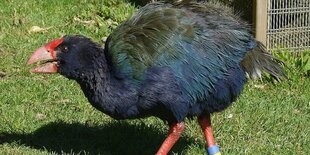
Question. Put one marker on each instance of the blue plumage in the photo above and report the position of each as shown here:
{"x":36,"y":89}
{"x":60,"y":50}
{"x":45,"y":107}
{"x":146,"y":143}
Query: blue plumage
{"x":169,"y":61}
{"x":225,"y":92}
{"x":199,"y":45}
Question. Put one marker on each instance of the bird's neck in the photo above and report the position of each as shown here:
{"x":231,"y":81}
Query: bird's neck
{"x":109,"y":94}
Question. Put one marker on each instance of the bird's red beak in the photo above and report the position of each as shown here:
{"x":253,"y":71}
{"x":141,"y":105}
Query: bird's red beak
{"x":48,"y":54}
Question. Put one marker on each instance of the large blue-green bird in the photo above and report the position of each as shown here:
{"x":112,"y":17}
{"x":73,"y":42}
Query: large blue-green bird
{"x":169,"y":60}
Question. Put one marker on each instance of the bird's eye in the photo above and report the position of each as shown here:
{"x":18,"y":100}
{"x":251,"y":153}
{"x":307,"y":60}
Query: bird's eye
{"x":64,"y":49}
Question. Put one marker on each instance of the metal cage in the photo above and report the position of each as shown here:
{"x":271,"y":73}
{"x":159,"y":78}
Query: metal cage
{"x":288,"y":25}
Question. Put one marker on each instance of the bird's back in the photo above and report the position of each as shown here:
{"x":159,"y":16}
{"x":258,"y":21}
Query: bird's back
{"x":200,"y":42}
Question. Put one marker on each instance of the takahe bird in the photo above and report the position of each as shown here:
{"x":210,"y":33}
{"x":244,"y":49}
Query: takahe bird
{"x":171,"y":61}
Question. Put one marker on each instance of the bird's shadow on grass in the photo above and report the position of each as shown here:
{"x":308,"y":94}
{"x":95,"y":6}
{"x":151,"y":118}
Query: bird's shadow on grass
{"x":112,"y":138}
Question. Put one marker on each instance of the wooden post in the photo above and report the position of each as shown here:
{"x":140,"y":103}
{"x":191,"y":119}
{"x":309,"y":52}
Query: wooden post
{"x":261,"y":22}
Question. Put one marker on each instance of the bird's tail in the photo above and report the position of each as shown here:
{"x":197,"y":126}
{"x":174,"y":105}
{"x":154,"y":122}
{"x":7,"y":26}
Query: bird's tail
{"x":259,"y":60}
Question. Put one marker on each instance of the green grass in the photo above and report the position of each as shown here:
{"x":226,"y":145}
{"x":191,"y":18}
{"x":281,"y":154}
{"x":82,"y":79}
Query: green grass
{"x":48,"y":114}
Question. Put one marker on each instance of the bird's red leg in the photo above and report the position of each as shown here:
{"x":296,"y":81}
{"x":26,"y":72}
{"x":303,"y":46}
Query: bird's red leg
{"x":205,"y":124}
{"x":174,"y":134}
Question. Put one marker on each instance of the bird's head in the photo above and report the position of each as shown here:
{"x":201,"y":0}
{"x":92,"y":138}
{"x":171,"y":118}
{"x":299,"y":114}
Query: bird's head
{"x":72,"y":56}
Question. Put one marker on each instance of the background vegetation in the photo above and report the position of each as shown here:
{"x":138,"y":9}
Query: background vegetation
{"x":48,"y":114}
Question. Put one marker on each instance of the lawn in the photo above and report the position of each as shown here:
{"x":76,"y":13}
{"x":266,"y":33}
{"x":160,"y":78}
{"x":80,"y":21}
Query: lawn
{"x":48,"y":114}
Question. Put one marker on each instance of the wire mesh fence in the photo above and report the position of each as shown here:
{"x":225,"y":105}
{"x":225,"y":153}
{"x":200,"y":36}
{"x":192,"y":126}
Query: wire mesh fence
{"x":288,"y":25}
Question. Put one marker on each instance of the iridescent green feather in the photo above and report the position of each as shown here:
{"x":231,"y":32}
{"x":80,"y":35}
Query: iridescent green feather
{"x":198,"y":41}
{"x":141,"y":41}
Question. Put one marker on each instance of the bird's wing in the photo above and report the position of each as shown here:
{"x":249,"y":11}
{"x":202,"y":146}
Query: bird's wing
{"x":140,"y":41}
{"x":199,"y":44}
